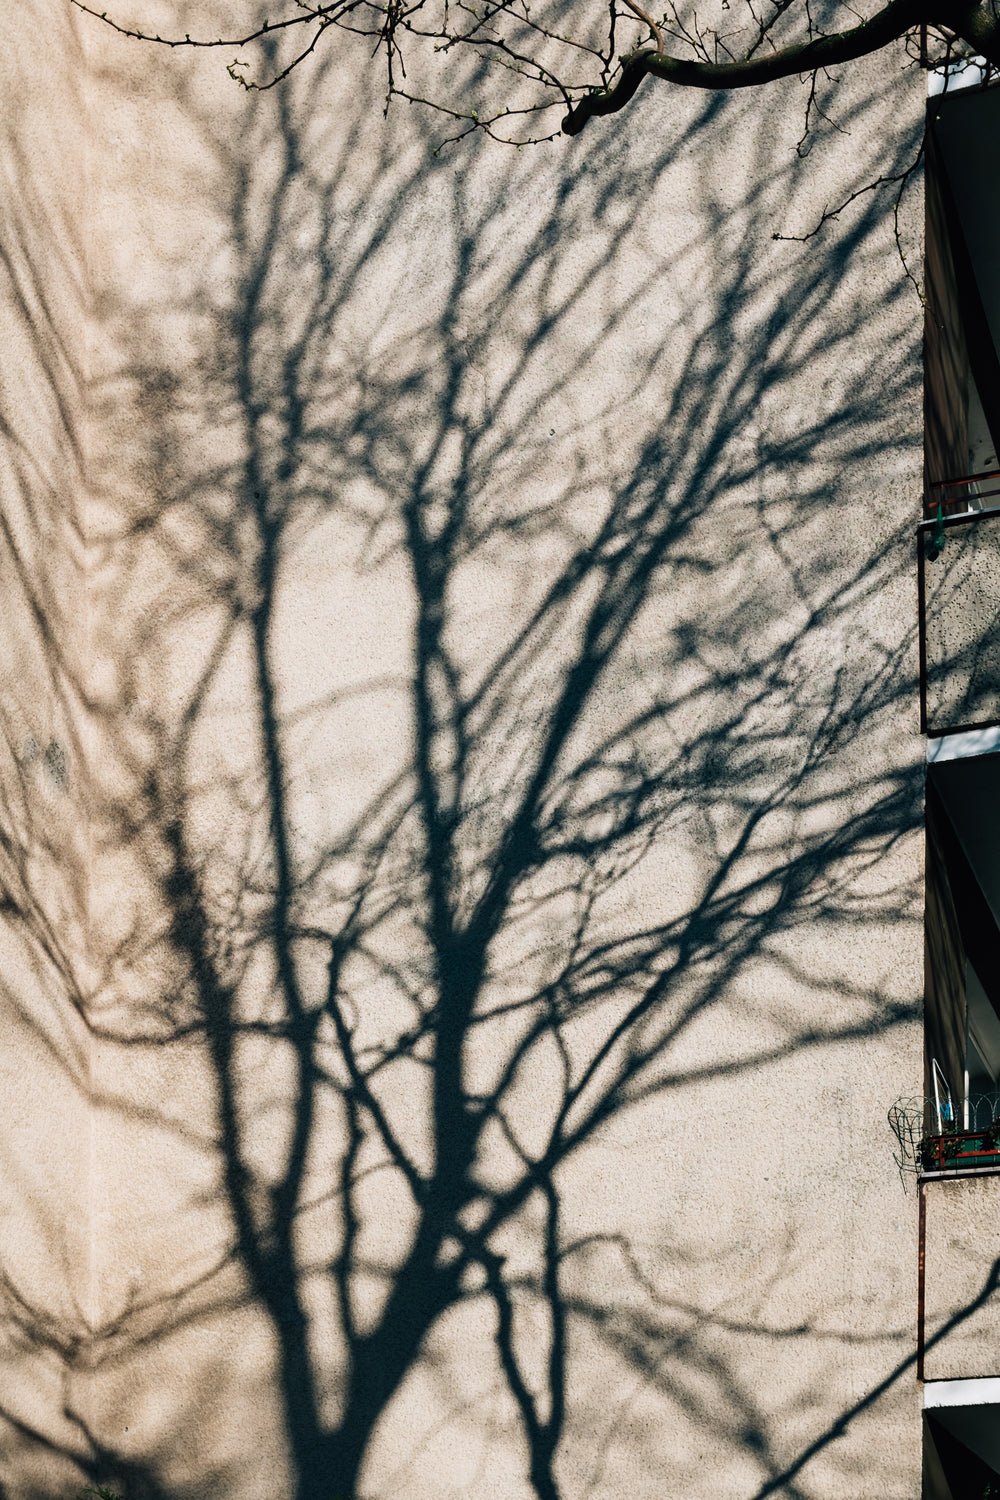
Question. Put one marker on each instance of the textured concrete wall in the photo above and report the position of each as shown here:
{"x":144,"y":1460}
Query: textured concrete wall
{"x":961,"y":637}
{"x":500,"y":650}
{"x":45,"y":1264}
{"x":963,"y":1247}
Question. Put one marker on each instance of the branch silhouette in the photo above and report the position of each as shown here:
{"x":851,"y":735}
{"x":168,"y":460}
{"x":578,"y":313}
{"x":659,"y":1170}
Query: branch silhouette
{"x":528,"y":58}
{"x":478,"y":730}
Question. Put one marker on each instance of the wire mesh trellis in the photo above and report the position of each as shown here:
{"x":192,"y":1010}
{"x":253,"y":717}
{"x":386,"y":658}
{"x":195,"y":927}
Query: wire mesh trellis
{"x":970,"y":1135}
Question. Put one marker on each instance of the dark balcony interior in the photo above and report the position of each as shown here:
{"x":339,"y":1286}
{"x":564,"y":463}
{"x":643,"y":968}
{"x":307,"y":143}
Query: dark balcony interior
{"x":962,"y":1453}
{"x":954,"y":1125}
{"x":959,"y":543}
{"x":962,"y":965}
{"x":963,"y":284}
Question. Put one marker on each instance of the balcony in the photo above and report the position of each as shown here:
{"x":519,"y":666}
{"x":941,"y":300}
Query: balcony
{"x":958,"y":1332}
{"x":954,"y":1152}
{"x":958,"y":581}
{"x":936,"y":1137}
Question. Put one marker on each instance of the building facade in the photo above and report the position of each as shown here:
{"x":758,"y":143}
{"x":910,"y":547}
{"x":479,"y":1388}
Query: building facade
{"x":467,"y":688}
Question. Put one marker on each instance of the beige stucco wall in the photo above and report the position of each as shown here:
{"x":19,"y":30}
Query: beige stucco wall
{"x":962,"y":1320}
{"x":583,"y":373}
{"x":45,"y":1264}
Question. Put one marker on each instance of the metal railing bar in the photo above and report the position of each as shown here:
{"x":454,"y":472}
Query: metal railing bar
{"x":951,"y":484}
{"x":963,"y":520}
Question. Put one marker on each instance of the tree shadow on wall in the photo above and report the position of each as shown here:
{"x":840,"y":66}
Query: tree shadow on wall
{"x":491,"y":794}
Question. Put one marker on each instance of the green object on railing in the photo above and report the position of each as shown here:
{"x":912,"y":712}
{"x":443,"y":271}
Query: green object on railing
{"x":935,"y":544}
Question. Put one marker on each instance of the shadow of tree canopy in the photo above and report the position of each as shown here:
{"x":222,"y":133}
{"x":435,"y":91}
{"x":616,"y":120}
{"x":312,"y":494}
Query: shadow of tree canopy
{"x":496,"y":699}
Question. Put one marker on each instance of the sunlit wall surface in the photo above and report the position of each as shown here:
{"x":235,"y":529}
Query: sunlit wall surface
{"x":462,"y":792}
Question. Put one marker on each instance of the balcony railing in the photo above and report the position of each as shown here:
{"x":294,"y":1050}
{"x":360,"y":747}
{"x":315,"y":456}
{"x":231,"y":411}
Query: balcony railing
{"x":970,"y":1138}
{"x":960,"y":496}
{"x":958,"y":583}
